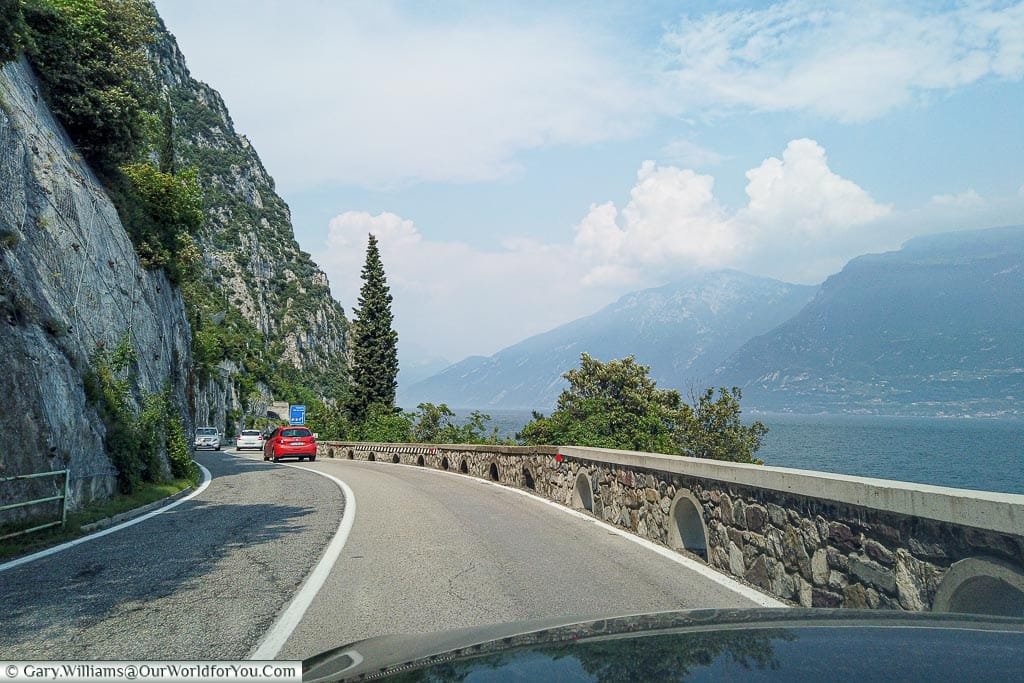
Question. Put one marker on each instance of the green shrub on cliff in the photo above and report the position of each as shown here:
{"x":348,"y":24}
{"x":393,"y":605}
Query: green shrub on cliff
{"x":161,"y":212}
{"x":90,"y":56}
{"x":136,"y":442}
{"x":13,"y":30}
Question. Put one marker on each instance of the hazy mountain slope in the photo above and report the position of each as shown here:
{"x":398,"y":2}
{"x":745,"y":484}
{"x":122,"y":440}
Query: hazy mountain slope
{"x":934,"y":328}
{"x":682,"y":330}
{"x":254,"y":266}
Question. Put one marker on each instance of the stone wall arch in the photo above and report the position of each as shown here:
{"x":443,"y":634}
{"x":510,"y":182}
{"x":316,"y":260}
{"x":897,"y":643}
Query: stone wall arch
{"x":686,"y":527}
{"x":464,"y":467}
{"x":583,"y":492}
{"x":351,"y":454}
{"x":372,"y":457}
{"x":528,"y":480}
{"x":494,"y":473}
{"x":419,"y":460}
{"x":444,"y":463}
{"x":981,"y":585}
{"x":396,"y":458}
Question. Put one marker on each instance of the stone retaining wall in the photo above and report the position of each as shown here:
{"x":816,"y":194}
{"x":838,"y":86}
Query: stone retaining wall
{"x":810,"y":538}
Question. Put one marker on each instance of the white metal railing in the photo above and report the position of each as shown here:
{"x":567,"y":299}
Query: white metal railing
{"x":63,"y":498}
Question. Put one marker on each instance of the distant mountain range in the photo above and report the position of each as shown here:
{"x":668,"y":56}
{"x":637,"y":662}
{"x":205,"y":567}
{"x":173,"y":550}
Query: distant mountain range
{"x":683,"y":330}
{"x":936,"y":328}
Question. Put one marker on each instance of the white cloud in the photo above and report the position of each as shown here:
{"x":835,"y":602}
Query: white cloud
{"x":848,"y":61}
{"x":800,"y":196}
{"x":673,"y":221}
{"x":689,"y":154}
{"x":967,"y":199}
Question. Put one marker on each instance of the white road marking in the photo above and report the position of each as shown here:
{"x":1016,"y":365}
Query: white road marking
{"x":100,"y":534}
{"x":752,"y":594}
{"x":275,"y":637}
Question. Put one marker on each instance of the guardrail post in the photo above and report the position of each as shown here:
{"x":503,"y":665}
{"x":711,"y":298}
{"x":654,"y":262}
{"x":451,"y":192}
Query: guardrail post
{"x":64,"y":503}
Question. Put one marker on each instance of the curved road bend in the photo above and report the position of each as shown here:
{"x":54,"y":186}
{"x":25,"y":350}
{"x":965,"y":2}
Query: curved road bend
{"x":202,"y":581}
{"x":432,"y":551}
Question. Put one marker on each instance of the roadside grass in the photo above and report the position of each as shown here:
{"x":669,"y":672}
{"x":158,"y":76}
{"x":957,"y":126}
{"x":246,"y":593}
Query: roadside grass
{"x":94,"y":512}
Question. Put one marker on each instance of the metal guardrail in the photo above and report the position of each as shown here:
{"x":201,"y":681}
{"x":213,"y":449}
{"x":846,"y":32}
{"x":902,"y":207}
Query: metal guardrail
{"x":62,"y":497}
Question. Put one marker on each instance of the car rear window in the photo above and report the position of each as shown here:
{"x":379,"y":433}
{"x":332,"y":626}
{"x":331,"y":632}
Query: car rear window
{"x":250,"y":432}
{"x":296,"y":432}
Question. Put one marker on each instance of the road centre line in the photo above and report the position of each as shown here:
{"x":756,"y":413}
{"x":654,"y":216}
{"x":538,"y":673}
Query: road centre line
{"x":750,"y":593}
{"x":207,"y":477}
{"x":279,"y":632}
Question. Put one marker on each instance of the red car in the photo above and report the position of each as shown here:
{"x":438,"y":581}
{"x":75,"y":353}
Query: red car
{"x":290,"y":442}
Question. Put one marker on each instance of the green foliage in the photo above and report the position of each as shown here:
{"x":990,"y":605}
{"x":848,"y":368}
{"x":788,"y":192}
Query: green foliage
{"x":712,"y":428}
{"x":384,"y":424}
{"x":610,"y":405}
{"x":109,"y":387}
{"x":136,"y":444}
{"x":179,"y":452}
{"x":436,"y":424}
{"x":161,"y":212}
{"x":374,"y":368}
{"x":90,"y":56}
{"x":9,"y":240}
{"x":13,"y":30}
{"x":617,"y":405}
{"x":432,"y":422}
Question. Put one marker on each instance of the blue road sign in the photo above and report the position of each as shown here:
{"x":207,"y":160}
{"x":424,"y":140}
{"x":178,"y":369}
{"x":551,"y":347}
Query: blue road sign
{"x":297,"y":415}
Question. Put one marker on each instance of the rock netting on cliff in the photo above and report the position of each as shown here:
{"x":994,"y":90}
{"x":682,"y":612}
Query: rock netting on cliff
{"x":70,"y":284}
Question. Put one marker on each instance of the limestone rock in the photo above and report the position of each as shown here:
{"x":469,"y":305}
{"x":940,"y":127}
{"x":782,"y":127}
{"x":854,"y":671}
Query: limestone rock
{"x":872,"y":573}
{"x":758,"y":574}
{"x":916,"y":582}
{"x":736,"y":560}
{"x":819,"y":567}
{"x":756,"y":516}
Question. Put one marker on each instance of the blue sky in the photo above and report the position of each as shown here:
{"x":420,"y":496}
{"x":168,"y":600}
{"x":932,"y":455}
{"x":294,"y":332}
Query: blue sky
{"x":524,"y":164}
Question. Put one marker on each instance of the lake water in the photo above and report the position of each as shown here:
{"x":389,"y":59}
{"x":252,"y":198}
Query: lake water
{"x":963,"y":453}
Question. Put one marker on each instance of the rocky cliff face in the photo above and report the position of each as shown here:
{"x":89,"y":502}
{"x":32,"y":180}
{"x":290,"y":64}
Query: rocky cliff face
{"x":70,"y":285}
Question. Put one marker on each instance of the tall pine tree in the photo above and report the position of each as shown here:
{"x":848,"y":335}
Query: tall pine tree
{"x":373,"y":344}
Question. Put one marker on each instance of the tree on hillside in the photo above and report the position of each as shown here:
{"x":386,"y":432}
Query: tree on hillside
{"x":617,"y":405}
{"x":711,"y":428}
{"x":437,"y":424}
{"x":610,"y":405}
{"x":373,"y":363}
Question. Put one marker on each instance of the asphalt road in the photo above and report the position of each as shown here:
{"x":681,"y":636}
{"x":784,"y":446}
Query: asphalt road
{"x":432,"y":551}
{"x":429,"y":551}
{"x":202,"y":581}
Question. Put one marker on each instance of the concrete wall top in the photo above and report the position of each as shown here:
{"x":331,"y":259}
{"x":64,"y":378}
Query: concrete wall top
{"x":1003,"y":512}
{"x":449,"y":447}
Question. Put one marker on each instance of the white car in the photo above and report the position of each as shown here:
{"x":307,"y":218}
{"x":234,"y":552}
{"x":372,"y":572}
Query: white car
{"x":207,"y":437}
{"x":250,"y":438}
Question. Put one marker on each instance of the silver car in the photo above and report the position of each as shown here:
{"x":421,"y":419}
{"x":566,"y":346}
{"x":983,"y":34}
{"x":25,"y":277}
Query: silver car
{"x":207,"y":437}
